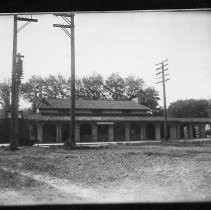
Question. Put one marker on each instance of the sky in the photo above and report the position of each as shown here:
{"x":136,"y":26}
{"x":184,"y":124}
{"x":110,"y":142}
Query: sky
{"x":127,"y":43}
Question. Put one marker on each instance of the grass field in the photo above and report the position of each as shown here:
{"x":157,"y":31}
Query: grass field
{"x":149,"y":173}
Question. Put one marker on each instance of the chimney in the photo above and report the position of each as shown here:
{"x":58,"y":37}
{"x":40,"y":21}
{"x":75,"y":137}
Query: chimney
{"x":137,"y":100}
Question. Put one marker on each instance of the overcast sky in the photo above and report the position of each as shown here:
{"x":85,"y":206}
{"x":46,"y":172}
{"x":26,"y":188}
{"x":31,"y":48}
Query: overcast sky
{"x":128,"y":43}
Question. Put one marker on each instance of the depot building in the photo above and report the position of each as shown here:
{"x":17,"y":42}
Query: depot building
{"x":106,"y":121}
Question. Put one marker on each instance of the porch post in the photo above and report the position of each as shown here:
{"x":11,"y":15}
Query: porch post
{"x":111,"y":132}
{"x":178,"y":130}
{"x":40,"y":131}
{"x":30,"y":131}
{"x":202,"y":130}
{"x":190,"y":126}
{"x":157,"y":131}
{"x":77,"y":132}
{"x":142,"y":131}
{"x":127,"y":131}
{"x":94,"y":132}
{"x":58,"y":132}
{"x":173,"y":132}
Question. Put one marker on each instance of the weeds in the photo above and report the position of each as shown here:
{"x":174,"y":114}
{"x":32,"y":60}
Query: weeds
{"x":13,"y":179}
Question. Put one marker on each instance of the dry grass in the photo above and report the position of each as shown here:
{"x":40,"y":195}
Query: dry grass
{"x":178,"y":171}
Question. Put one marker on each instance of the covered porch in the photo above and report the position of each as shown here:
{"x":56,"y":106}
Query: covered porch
{"x":112,"y":129}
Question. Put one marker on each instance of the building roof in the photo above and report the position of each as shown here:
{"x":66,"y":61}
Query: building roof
{"x":40,"y":117}
{"x":89,"y":104}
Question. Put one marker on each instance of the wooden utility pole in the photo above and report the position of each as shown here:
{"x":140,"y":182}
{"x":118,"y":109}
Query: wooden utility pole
{"x":72,"y":129}
{"x":14,"y":102}
{"x":71,"y":34}
{"x":16,"y":60}
{"x":161,"y":70}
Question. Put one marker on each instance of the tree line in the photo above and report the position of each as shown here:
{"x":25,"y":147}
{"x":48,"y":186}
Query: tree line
{"x":96,"y":87}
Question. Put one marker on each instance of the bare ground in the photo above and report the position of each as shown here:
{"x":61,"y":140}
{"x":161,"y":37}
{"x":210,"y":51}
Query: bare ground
{"x":151,"y":173}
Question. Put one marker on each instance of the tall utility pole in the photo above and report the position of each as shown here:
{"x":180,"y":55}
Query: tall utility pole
{"x":71,"y":34}
{"x":161,"y":71}
{"x":15,"y":83}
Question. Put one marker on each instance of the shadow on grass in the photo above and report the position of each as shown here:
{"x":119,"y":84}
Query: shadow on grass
{"x":12,"y":179}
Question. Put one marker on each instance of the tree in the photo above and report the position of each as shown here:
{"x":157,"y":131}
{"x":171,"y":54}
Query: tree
{"x":5,"y":97}
{"x":119,"y":88}
{"x":57,"y":87}
{"x":79,"y":89}
{"x":34,"y":88}
{"x":93,"y":87}
{"x":49,"y":87}
{"x":159,"y":111}
{"x":115,"y":85}
{"x":189,"y":108}
{"x":150,"y":97}
{"x":133,"y":86}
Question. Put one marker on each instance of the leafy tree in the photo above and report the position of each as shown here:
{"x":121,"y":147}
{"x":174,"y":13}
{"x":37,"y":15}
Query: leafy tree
{"x":158,"y":111}
{"x":115,"y":85}
{"x":79,"y":88}
{"x":93,"y":87}
{"x":150,"y":97}
{"x":133,"y":86}
{"x":49,"y":87}
{"x":119,"y":88}
{"x":34,"y":88}
{"x":57,"y":86}
{"x":189,"y":108}
{"x":5,"y":97}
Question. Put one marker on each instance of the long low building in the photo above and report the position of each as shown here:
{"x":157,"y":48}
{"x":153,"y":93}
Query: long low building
{"x":100,"y":120}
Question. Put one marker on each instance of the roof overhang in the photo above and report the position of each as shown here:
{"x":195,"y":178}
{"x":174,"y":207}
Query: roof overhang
{"x":39,"y":117}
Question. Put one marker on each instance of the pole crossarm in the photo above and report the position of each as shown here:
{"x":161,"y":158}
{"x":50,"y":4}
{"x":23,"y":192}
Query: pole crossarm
{"x":27,"y":19}
{"x":162,"y":66}
{"x":61,"y":25}
{"x":64,"y":28}
{"x":63,"y":14}
{"x":159,"y":82}
{"x":159,"y":73}
{"x":161,"y":62}
{"x":162,"y":76}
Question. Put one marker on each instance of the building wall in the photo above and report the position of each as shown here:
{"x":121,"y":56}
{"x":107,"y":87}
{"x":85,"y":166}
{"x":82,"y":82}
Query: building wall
{"x":4,"y":128}
{"x":23,"y":131}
